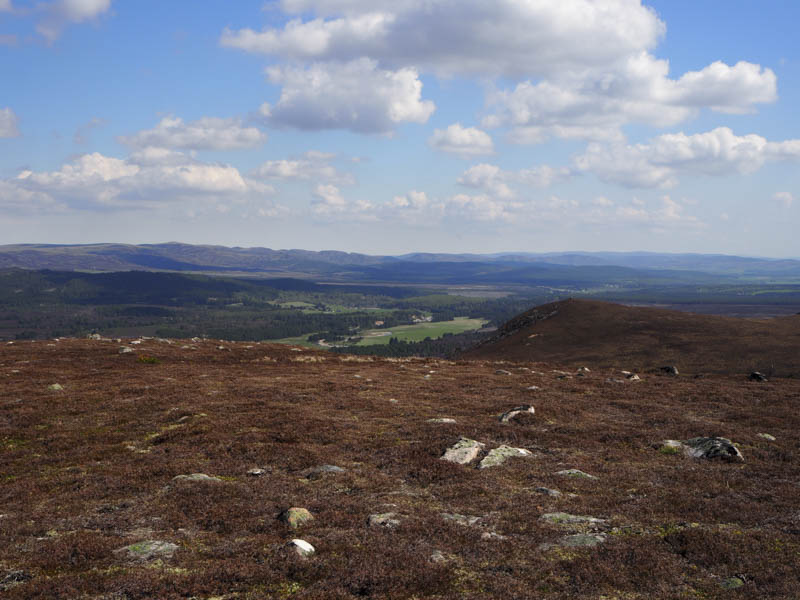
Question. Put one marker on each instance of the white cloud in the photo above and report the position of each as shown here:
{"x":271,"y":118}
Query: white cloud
{"x":61,"y":13}
{"x":669,"y":213}
{"x":8,"y":123}
{"x":515,"y":38}
{"x":149,"y":178}
{"x":465,"y":142}
{"x":658,"y":164}
{"x":495,"y":181}
{"x":595,"y":105}
{"x":785,"y":198}
{"x":329,"y":202}
{"x":543,"y":176}
{"x":489,"y":178}
{"x":311,"y":166}
{"x":207,"y":133}
{"x":5,"y":6}
{"x":356,"y":95}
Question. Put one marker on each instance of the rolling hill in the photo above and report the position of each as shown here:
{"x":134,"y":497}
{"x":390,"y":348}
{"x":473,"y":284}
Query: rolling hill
{"x":575,"y":332}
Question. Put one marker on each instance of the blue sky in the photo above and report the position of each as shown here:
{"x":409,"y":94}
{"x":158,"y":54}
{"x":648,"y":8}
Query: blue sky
{"x":390,"y":126}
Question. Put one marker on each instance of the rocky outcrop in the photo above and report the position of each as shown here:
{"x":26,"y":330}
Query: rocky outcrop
{"x":463,"y":452}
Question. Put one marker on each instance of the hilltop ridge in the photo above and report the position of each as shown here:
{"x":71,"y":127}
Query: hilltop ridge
{"x":573,"y":332}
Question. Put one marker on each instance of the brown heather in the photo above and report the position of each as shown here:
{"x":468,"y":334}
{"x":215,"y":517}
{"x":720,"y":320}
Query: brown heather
{"x":89,"y":469}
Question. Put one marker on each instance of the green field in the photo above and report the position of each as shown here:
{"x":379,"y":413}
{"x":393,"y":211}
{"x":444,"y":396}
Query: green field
{"x":420,"y":331}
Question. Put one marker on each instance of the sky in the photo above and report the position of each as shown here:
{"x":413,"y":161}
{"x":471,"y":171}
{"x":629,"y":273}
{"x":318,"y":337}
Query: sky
{"x":394,"y":126}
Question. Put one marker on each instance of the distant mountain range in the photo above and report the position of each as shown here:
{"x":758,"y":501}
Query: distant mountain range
{"x":490,"y":269}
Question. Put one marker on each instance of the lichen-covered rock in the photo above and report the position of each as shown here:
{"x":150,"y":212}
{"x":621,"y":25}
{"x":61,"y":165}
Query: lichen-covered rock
{"x":582,"y":540}
{"x":388,"y":520}
{"x":498,"y":456}
{"x":442,"y":420}
{"x":148,"y":550}
{"x":196,"y":477}
{"x":463,"y":452}
{"x":567,"y":520}
{"x":321,"y":471}
{"x":708,"y":448}
{"x":547,"y":492}
{"x":670,"y":370}
{"x":766,"y":436}
{"x":295,"y":517}
{"x":55,"y":387}
{"x":302,"y":548}
{"x":713,"y":448}
{"x":502,"y":372}
{"x":756,"y":376}
{"x":575,"y":473}
{"x":515,"y":412}
{"x":465,"y":520}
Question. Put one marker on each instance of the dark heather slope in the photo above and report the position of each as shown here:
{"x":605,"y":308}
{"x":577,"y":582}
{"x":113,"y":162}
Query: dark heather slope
{"x":575,"y":332}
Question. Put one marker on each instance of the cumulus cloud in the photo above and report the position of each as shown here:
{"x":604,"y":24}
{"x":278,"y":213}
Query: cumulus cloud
{"x":149,"y":178}
{"x":5,"y":6}
{"x":466,"y":142}
{"x":489,"y":178}
{"x":8,"y":123}
{"x":582,"y":68}
{"x":658,"y":163}
{"x":596,"y":105}
{"x":513,"y":38}
{"x":329,"y":202}
{"x":785,"y":198}
{"x":61,"y":13}
{"x":208,"y":133}
{"x":356,"y":95}
{"x":311,"y":166}
{"x":495,"y":181}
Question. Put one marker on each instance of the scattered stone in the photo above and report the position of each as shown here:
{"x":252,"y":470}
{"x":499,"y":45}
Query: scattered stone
{"x":94,"y":336}
{"x":125,"y":350}
{"x":442,"y":420}
{"x":388,"y":520}
{"x":295,"y":517}
{"x":766,"y":436}
{"x":756,"y":376}
{"x":55,"y":387}
{"x":14,"y":578}
{"x":732,"y":583}
{"x":321,"y":471}
{"x":464,"y":520}
{"x":148,"y":550}
{"x":564,"y":377}
{"x":394,"y":400}
{"x":533,"y":388}
{"x":670,"y":370}
{"x":427,"y":377}
{"x":438,"y":556}
{"x":709,"y":448}
{"x":584,"y":370}
{"x":713,"y":448}
{"x":463,"y":452}
{"x":567,"y":520}
{"x":492,"y":535}
{"x":583,"y":540}
{"x":197,"y":477}
{"x":547,"y":492}
{"x":302,"y":548}
{"x":633,"y":377}
{"x":257,"y":472}
{"x":514,"y":412}
{"x":498,"y":456}
{"x":502,"y":372}
{"x":575,"y":473}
